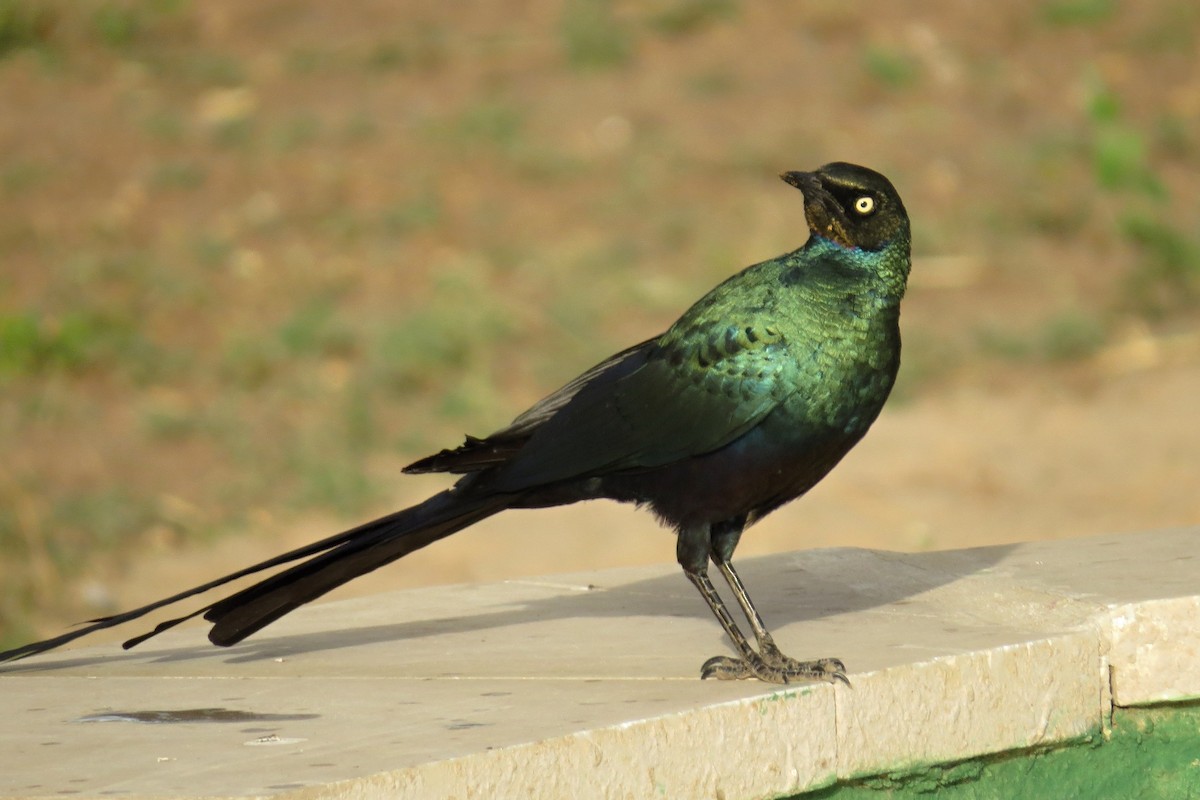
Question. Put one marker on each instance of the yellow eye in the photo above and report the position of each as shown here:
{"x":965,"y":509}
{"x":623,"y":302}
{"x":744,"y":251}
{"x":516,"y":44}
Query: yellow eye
{"x":864,"y":205}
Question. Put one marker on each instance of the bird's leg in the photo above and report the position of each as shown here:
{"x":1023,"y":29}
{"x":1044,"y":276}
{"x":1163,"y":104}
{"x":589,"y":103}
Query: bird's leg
{"x":691,"y":550}
{"x":768,"y":663}
{"x":699,"y":579}
{"x":822,"y":669}
{"x":766,"y":644}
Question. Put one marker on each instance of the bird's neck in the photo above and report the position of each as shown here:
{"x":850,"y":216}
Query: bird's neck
{"x":881,"y":275}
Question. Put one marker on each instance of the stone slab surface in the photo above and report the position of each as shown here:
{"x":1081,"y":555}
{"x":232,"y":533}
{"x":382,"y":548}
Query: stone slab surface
{"x":585,"y":685}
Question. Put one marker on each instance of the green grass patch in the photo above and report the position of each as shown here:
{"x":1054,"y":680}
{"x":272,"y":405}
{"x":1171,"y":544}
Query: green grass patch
{"x":118,"y":26}
{"x":1166,"y":275}
{"x":25,"y":24}
{"x":713,"y":83}
{"x":358,"y":128}
{"x":34,"y":344}
{"x":103,"y":518}
{"x":210,"y":69}
{"x":1078,"y":12}
{"x":138,"y":26}
{"x":251,"y":360}
{"x":167,"y":126}
{"x":1069,"y":335}
{"x":455,"y":332}
{"x":178,"y":175}
{"x":234,"y":134}
{"x":592,"y":36}
{"x":1120,"y":160}
{"x":300,"y":130}
{"x":891,"y":69}
{"x":388,"y":56}
{"x":211,"y":250}
{"x":497,"y":123}
{"x":53,"y":539}
{"x":1119,"y":151}
{"x":326,"y":465}
{"x":684,"y":17}
{"x":420,"y":212}
{"x":171,"y":424}
{"x":315,"y":330}
{"x":248,"y":362}
{"x":23,"y":175}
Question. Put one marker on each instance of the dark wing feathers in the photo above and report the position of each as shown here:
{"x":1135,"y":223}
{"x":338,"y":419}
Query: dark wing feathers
{"x":473,"y":455}
{"x":670,"y":407}
{"x":685,"y":393}
{"x":612,"y":367}
{"x":476,"y":454}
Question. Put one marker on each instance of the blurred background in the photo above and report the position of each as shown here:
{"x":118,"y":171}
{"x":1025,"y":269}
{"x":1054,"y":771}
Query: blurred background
{"x":255,"y":257}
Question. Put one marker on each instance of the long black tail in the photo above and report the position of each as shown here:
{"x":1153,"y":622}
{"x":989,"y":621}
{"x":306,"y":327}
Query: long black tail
{"x":330,"y":563}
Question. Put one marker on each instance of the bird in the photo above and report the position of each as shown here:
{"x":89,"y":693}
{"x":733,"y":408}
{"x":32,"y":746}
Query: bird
{"x":748,"y":400}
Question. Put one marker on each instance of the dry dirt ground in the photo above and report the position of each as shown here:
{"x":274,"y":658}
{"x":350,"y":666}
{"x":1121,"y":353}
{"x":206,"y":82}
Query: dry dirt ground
{"x":316,"y":240}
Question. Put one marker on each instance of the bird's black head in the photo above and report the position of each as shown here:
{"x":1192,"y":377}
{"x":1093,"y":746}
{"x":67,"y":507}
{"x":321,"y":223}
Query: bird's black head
{"x":851,"y":205}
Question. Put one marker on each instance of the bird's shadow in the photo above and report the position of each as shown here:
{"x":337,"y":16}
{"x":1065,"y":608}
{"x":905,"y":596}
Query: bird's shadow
{"x":789,"y":588}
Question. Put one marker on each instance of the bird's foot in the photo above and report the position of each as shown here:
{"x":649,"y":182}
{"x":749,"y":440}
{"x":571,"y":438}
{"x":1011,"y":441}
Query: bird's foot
{"x":773,"y":666}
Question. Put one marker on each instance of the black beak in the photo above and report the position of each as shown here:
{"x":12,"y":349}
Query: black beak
{"x":804,"y":181}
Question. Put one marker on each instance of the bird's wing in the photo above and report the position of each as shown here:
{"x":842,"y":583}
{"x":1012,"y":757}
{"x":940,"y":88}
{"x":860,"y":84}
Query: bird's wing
{"x":475,"y":454}
{"x":694,"y":391}
{"x":613,"y":367}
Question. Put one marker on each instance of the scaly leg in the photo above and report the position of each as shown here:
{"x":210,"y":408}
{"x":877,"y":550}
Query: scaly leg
{"x":788,"y":668}
{"x":694,"y":549}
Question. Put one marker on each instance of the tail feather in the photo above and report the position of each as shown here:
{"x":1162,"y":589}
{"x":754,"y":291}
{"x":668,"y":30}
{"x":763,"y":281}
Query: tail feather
{"x":331,"y":562}
{"x":253,"y":608}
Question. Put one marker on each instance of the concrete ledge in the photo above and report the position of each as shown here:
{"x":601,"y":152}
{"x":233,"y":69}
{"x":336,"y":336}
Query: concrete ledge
{"x":585,"y":685}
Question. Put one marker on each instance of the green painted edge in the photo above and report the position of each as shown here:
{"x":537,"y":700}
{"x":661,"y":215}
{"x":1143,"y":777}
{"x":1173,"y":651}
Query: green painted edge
{"x":1150,"y":752}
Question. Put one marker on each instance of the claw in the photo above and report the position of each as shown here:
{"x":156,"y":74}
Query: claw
{"x":775,"y":668}
{"x":726,"y":668}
